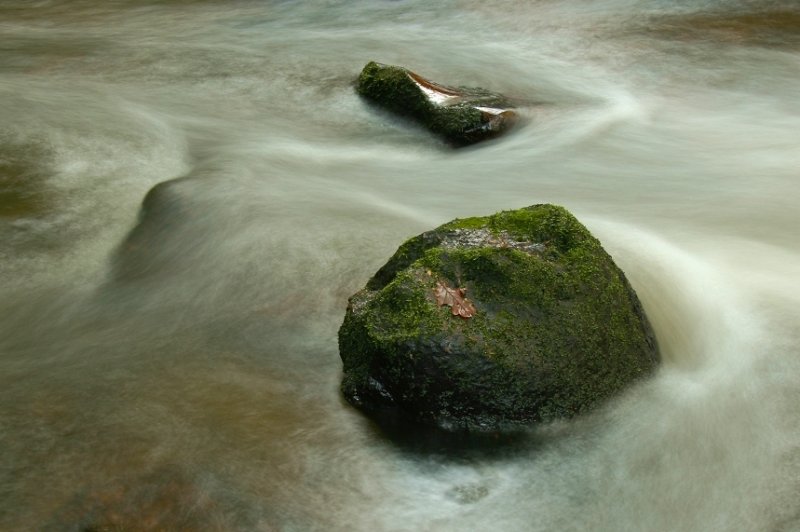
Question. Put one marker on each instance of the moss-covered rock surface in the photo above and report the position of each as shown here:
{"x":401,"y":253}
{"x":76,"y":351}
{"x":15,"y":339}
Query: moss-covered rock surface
{"x":460,"y":115}
{"x":557,"y":329}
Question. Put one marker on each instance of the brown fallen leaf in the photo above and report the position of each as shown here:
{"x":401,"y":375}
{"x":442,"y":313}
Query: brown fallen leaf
{"x":455,"y":298}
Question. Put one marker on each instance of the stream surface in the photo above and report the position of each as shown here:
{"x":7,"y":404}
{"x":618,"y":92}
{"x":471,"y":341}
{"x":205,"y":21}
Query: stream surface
{"x":176,"y":366}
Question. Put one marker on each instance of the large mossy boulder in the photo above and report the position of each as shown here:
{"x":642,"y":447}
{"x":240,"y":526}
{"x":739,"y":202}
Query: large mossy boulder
{"x":461,"y":115}
{"x":494,"y":322}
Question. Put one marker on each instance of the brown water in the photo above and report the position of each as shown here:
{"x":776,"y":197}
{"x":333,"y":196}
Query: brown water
{"x":176,"y":367}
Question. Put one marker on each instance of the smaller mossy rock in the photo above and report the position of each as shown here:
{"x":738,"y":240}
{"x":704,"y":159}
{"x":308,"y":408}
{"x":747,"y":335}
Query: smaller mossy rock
{"x":460,"y":115}
{"x":557,"y":329}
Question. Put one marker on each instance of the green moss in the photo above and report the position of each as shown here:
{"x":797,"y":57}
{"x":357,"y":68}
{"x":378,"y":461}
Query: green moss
{"x":476,"y":222}
{"x":544,"y":223}
{"x":457,"y":124}
{"x":391,"y":87}
{"x":413,"y":310}
{"x":555,"y":333}
{"x":460,"y":124}
{"x":550,"y":224}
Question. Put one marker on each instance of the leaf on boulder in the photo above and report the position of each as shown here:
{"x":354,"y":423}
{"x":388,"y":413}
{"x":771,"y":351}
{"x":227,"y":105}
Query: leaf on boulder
{"x":455,"y":298}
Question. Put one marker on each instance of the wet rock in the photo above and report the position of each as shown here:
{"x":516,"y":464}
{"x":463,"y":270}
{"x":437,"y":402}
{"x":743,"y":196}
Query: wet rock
{"x":460,"y":115}
{"x":556,"y":330}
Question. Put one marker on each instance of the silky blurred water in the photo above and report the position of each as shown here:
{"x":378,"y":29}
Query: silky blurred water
{"x":175,"y":366}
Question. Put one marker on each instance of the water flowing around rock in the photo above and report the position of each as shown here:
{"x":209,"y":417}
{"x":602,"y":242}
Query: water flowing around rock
{"x":191,"y":190}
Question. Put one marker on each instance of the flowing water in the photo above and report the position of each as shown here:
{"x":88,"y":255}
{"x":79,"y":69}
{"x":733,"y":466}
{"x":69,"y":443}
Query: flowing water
{"x":176,"y":366}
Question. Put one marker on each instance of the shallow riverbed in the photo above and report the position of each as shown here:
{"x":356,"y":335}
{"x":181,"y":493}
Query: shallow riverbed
{"x":176,"y":367}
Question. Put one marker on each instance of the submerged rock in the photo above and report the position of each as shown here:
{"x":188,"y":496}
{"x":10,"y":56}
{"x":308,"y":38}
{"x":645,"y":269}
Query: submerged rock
{"x":556,"y":328}
{"x":460,"y":115}
{"x":771,"y":27}
{"x":162,"y":242}
{"x":163,"y":499}
{"x":24,"y":168}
